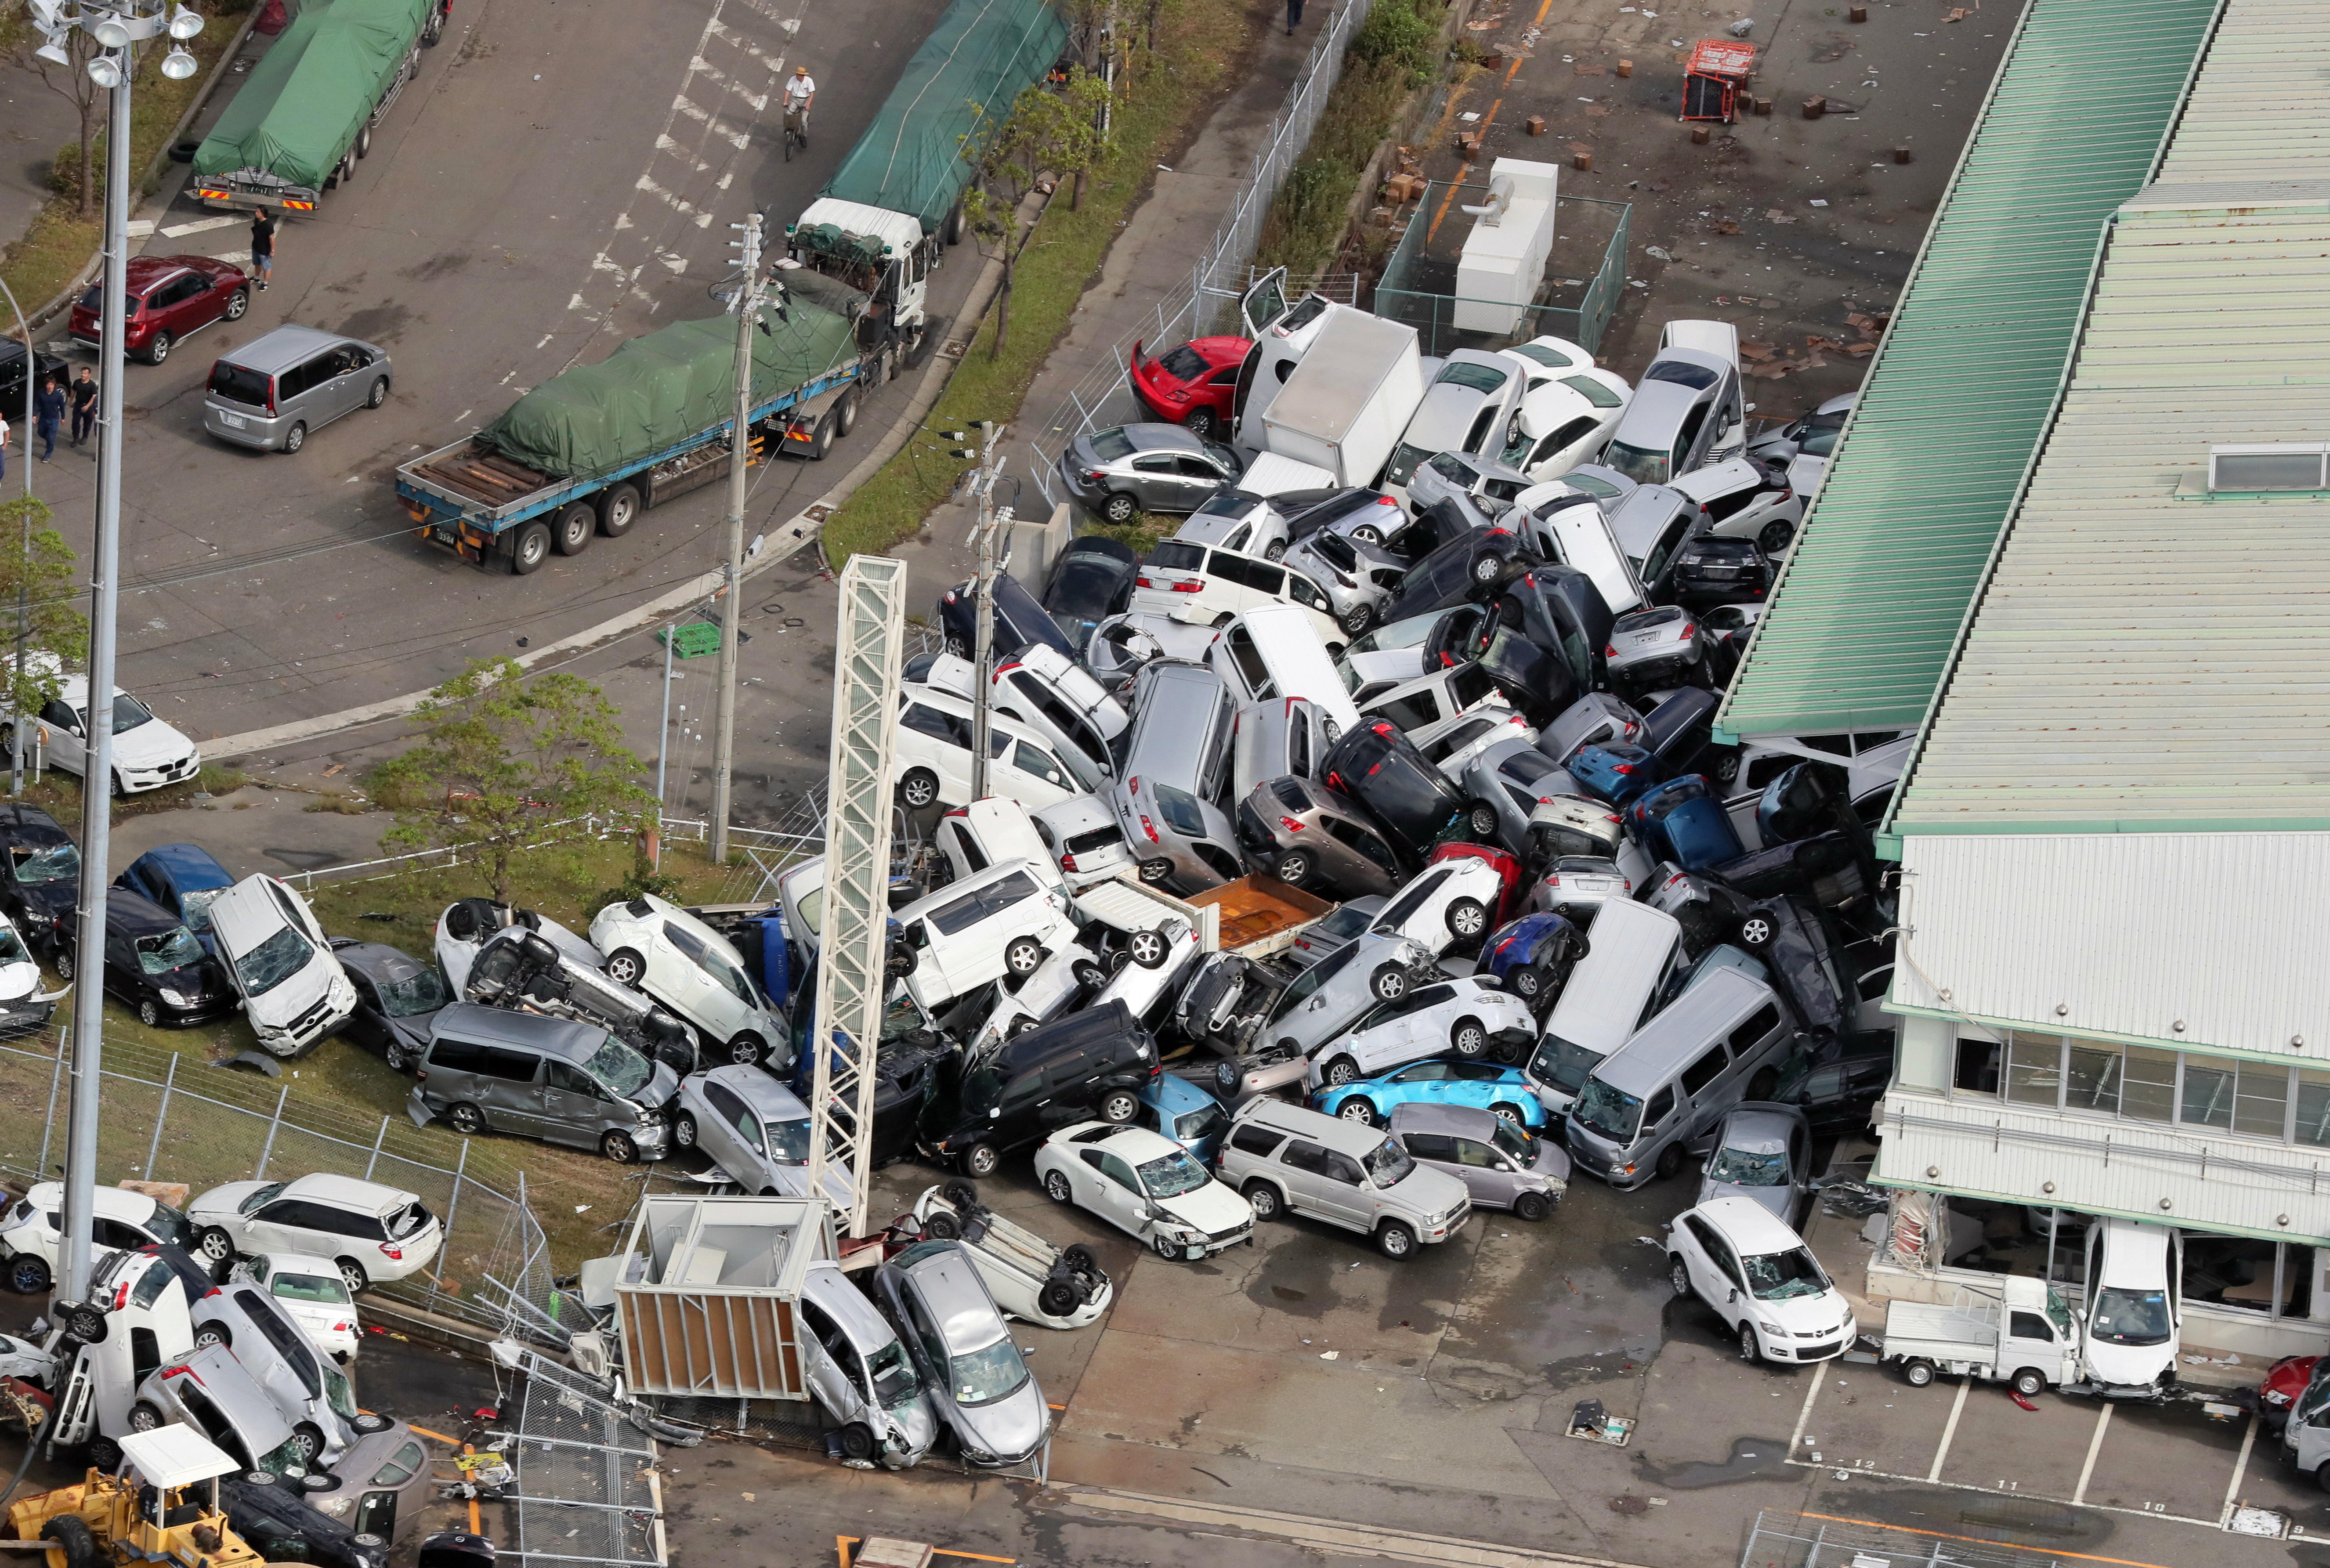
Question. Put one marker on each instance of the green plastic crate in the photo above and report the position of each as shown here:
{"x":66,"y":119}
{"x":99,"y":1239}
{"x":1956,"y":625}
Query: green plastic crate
{"x":693,"y":641}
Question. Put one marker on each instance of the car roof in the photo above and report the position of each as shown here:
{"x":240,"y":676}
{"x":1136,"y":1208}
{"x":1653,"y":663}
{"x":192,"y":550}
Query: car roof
{"x":348,"y":1192}
{"x":379,"y":962}
{"x":1759,"y":1128}
{"x":753,"y":1084}
{"x":1694,"y":1022}
{"x":1656,"y":408}
{"x":1171,"y":1091}
{"x":112,"y":1202}
{"x":1749,"y":1225}
{"x":144,"y":271}
{"x":1329,"y":1131}
{"x":189,"y":865}
{"x":561,"y":1037}
{"x":830,"y":1288}
{"x":134,"y":914}
{"x":951,"y":1288}
{"x":1151,"y":438}
{"x":281,"y":348}
{"x":1459,"y":1120}
{"x":29,"y":822}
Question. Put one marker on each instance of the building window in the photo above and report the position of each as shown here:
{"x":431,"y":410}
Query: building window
{"x":2312,"y":1119}
{"x":2034,"y":1069}
{"x":2272,"y":1278}
{"x":1977,"y":1073}
{"x":2147,"y":1083}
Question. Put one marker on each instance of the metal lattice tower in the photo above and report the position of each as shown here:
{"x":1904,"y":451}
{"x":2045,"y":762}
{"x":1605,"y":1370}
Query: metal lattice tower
{"x":850,"y":980}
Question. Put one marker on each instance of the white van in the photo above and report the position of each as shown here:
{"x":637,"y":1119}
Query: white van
{"x":980,"y":927}
{"x":987,"y":832}
{"x":932,"y":761}
{"x":1275,"y":650}
{"x":293,"y":991}
{"x":1206,"y":585}
{"x":1567,"y":525}
{"x":1050,"y":692}
{"x":1627,"y":950}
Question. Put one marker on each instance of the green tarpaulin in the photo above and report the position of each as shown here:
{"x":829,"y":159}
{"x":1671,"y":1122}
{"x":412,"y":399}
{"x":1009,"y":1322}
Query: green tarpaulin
{"x":658,"y":391}
{"x":298,"y":114}
{"x":962,"y":83}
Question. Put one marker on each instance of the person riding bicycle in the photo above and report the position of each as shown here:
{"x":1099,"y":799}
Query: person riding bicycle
{"x":801,"y":91}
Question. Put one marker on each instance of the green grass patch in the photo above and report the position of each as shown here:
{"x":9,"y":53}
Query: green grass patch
{"x":60,"y":794}
{"x":1170,"y":91}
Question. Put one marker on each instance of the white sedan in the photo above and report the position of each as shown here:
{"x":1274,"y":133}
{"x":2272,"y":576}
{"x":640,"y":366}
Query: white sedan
{"x":1566,"y":420}
{"x":1468,"y":1017}
{"x":312,"y":1294}
{"x":657,"y":946}
{"x":1443,"y":905}
{"x":1145,"y":1185}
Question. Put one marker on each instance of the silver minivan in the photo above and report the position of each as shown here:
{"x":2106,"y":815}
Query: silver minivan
{"x":1627,"y":950}
{"x":490,"y":1070}
{"x":283,"y":386}
{"x":1717,"y":1044}
{"x":1175,"y":770}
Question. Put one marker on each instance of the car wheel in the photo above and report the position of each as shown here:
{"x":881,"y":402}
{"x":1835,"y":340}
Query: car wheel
{"x":619,"y":508}
{"x":1756,"y":933}
{"x":2321,"y":1478}
{"x":84,"y":1323}
{"x":626,"y":967}
{"x":215,"y":1244}
{"x":297,"y":437}
{"x":1201,"y":423}
{"x":683,"y":1130}
{"x":1528,"y":982}
{"x":1056,"y":1188}
{"x":1023,"y":956}
{"x":1390,"y":983}
{"x":1749,"y":1350}
{"x":619,"y":1146}
{"x":466,"y":1118}
{"x":1090,"y":976}
{"x":1760,"y":1086}
{"x":157,"y":349}
{"x":1468,"y":1039}
{"x":943,"y":1226}
{"x":1467,"y":917}
{"x":1356,"y":621}
{"x":1262,"y":1198}
{"x":1118,"y":1106}
{"x":379,"y":393}
{"x":370,"y":1421}
{"x":1343,"y":1069}
{"x":1532,"y":1207}
{"x":306,"y":1442}
{"x":531,"y":549}
{"x":211,"y":1334}
{"x":1394,"y":1240}
{"x":1057,"y":1299}
{"x":1274,"y":550}
{"x":149,"y":1012}
{"x":144,"y":1416}
{"x":1148,"y":948}
{"x":1226,"y":1076}
{"x":1670,"y":1161}
{"x":1486,"y":568}
{"x":1678,"y":1277}
{"x":1481,"y":822}
{"x":1169,"y":1249}
{"x":980,"y":1160}
{"x":237,"y":303}
{"x":1356,"y":1108}
{"x":1506,"y":1112}
{"x":64,"y":963}
{"x":957,"y":647}
{"x":1120,"y":508}
{"x":1366,"y":533}
{"x":1917,"y":1371}
{"x":2030,"y":1381}
{"x":353,"y":1275}
{"x":1774,"y":536}
{"x":105,"y":1455}
{"x":857,"y":1442}
{"x":29,"y":1275}
{"x":398,"y":1058}
{"x":1294,"y":867}
{"x":747,"y":1049}
{"x":577,"y":526}
{"x":918,"y":788}
{"x":1156,"y":871}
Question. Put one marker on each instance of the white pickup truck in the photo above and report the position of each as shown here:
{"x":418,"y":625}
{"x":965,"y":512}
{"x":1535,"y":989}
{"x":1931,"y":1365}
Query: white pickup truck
{"x":2021,"y":1334}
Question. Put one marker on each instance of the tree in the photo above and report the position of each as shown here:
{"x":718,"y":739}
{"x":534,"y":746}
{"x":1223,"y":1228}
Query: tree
{"x":501,"y":758}
{"x":37,"y":569}
{"x":71,"y":81}
{"x":1052,"y":134}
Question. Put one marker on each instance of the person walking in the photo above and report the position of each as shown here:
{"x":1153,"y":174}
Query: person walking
{"x":4,"y":446}
{"x":48,"y":410}
{"x":1294,"y":17}
{"x":801,"y":91}
{"x":84,"y":405}
{"x":262,"y":244}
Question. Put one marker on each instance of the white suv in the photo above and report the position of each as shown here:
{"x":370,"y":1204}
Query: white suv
{"x":293,"y":990}
{"x":1774,"y":1297}
{"x":932,"y":756}
{"x":122,"y":1220}
{"x":657,"y":946}
{"x":978,"y":929}
{"x":370,"y":1232}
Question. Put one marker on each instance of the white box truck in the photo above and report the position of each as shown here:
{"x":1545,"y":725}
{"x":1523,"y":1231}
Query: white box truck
{"x":1346,"y":402}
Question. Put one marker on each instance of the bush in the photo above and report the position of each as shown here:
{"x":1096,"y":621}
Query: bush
{"x":64,"y":172}
{"x":1399,"y":32}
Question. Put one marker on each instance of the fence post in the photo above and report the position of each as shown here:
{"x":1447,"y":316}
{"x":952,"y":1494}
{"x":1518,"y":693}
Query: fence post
{"x":56,"y":1071}
{"x":376,"y":1142}
{"x":273,"y":1122}
{"x":154,"y":1149}
{"x":460,"y":1175}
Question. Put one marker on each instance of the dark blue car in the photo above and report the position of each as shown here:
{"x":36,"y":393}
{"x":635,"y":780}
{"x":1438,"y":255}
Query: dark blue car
{"x":183,"y":879}
{"x":1483,"y":1085}
{"x":1618,"y":773}
{"x":1683,"y":820}
{"x":1532,"y":957}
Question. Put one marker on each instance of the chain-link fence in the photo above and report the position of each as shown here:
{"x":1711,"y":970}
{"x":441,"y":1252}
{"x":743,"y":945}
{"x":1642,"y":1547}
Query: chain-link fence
{"x":177,"y":1118}
{"x":1812,"y":1541}
{"x":1419,"y":281}
{"x":1219,"y":272}
{"x":586,"y":1486}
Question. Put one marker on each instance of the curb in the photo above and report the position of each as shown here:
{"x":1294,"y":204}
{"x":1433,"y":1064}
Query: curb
{"x":779,"y":545}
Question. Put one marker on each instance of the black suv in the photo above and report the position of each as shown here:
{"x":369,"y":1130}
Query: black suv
{"x":1087,"y":1064}
{"x":1380,"y":768}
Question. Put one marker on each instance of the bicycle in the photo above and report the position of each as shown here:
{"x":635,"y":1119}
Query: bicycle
{"x":796,"y":130}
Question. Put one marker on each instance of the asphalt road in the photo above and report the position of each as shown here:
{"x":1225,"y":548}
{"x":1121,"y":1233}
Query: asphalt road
{"x":560,"y":177}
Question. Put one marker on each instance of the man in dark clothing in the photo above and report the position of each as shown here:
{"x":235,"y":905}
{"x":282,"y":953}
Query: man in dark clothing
{"x":48,"y":408}
{"x":1294,"y":17}
{"x":84,"y":405}
{"x":262,"y":244}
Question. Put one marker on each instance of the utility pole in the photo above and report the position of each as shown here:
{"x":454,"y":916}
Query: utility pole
{"x":740,"y":452}
{"x":24,"y":545}
{"x":982,"y":653}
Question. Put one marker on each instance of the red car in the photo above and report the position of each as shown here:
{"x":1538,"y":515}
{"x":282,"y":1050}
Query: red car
{"x":1193,"y":385}
{"x":2284,"y":1381}
{"x":169,"y":297}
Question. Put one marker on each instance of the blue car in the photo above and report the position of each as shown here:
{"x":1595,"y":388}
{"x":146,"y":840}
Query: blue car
{"x":182,"y":878}
{"x":1532,"y":957}
{"x":1683,"y":821}
{"x":1618,"y":773}
{"x":1483,"y":1085}
{"x":1184,"y":1112}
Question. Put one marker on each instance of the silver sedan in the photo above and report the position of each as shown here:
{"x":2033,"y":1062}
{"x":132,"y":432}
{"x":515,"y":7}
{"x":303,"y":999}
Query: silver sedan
{"x":1127,"y":469}
{"x":973,"y":1374}
{"x":754,"y":1128}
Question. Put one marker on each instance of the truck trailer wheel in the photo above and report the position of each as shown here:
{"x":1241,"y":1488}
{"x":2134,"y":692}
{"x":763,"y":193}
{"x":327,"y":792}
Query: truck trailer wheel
{"x":820,"y":439}
{"x":530,"y":549}
{"x":954,"y":225}
{"x":619,"y":508}
{"x":577,"y":522}
{"x":845,"y":418}
{"x":363,"y":140}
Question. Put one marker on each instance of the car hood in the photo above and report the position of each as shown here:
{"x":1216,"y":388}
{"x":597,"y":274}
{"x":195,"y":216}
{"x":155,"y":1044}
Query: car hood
{"x":223,"y":1204}
{"x":2127,"y":1365}
{"x":294,"y":993}
{"x":1432,"y":1192}
{"x":18,"y":982}
{"x":1211,"y":1208}
{"x":1011,"y":1428}
{"x":1805,"y":1314}
{"x":1778,"y":1200}
{"x":150,"y":745}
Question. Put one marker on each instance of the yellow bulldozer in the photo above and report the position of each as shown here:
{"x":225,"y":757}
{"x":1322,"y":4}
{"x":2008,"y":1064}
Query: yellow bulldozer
{"x":155,"y":1511}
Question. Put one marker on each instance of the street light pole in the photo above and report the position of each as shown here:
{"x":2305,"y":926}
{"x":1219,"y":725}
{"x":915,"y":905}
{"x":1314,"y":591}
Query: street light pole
{"x":24,"y":542}
{"x":982,"y":654}
{"x":740,"y":451}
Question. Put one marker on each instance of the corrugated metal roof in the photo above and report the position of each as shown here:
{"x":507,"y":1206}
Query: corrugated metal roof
{"x":1861,"y":624}
{"x":2128,"y":934}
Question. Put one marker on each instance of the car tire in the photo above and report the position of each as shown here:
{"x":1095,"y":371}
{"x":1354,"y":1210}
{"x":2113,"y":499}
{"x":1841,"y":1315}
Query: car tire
{"x":1356,"y":621}
{"x":1274,"y":550}
{"x":529,"y":550}
{"x":1057,"y":1299}
{"x":74,"y":1540}
{"x":237,"y":303}
{"x":209,"y":1334}
{"x":1021,"y":1025}
{"x":1487,"y":569}
{"x":1678,"y":1276}
{"x":1293,"y":867}
{"x":157,"y":348}
{"x":577,"y":526}
{"x":1118,"y":507}
{"x":1670,"y":1161}
{"x":145,"y":1416}
{"x":1202,"y":423}
{"x":149,"y":1012}
{"x":626,"y":967}
{"x":1751,"y":1351}
{"x":1262,"y":1199}
{"x":943,"y":1227}
{"x":63,"y":964}
{"x":2321,"y":1476}
{"x":1023,"y":956}
{"x":367,"y":1423}
{"x":1506,"y":1111}
{"x":1774,"y":535}
{"x":618,"y":507}
{"x":105,"y":1455}
{"x":306,"y":1442}
{"x":1149,"y":950}
{"x":1156,"y":871}
{"x":1366,"y":533}
{"x":1756,"y":930}
{"x":1355,"y":1108}
{"x":1118,"y":1106}
{"x":1532,"y":1207}
{"x":379,"y":393}
{"x":398,"y":1059}
{"x":858,"y":1442}
{"x":918,"y":788}
{"x":1396,"y":1241}
{"x":466,"y":1118}
{"x":214,"y":1243}
{"x":83,"y":1322}
{"x":1467,"y":919}
{"x":29,"y":1275}
{"x":980,"y":1160}
{"x":294,"y":438}
{"x":1090,"y":976}
{"x":683,"y":1130}
{"x":1916,"y":1372}
{"x":1168,"y":1250}
{"x":1389,"y":984}
{"x":1343,"y":1069}
{"x":1526,"y":982}
{"x":747,"y":1049}
{"x":1767,"y":1080}
{"x":2029,"y":1382}
{"x":1057,"y":1187}
{"x":1227,"y":1075}
{"x":352,"y":1275}
{"x":1468,"y":1039}
{"x":1481,"y":822}
{"x":619,"y":1145}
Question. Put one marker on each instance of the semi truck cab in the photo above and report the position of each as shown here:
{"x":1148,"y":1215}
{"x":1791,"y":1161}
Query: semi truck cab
{"x":882,"y":254}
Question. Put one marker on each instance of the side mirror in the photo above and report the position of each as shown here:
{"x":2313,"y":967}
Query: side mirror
{"x":1735,"y":1295}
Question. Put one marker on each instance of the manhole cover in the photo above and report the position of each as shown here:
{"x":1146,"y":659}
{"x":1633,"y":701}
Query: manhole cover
{"x":1627,"y":1503}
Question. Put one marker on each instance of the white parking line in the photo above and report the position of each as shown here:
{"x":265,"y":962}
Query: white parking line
{"x":1805,"y":1415}
{"x":2240,"y":1466}
{"x":2095,"y":1446}
{"x":1950,"y":1430}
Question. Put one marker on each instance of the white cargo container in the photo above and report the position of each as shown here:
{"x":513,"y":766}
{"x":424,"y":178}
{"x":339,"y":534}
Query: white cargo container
{"x":1348,"y":399}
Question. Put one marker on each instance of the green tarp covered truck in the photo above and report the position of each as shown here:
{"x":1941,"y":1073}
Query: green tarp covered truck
{"x":585,"y":453}
{"x":307,"y":110}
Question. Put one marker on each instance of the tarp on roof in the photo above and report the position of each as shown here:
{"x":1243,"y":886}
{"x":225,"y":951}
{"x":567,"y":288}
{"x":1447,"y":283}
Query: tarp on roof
{"x":298,"y":113}
{"x":962,"y":83}
{"x":658,"y":391}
